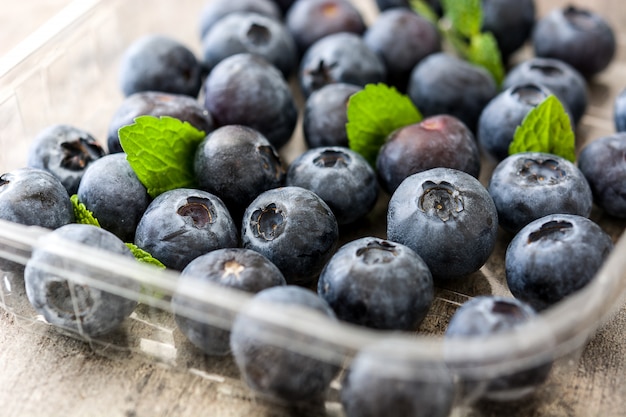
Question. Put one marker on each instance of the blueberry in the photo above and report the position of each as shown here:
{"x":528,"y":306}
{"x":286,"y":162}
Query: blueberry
{"x":32,"y":196}
{"x":442,"y":83}
{"x":619,"y":111}
{"x":237,"y":163}
{"x":553,"y":257}
{"x":111,"y":190}
{"x":447,"y":217}
{"x":159,"y":63}
{"x":275,"y":361}
{"x":389,"y":4}
{"x":504,"y":113}
{"x":341,"y":177}
{"x":284,"y":5}
{"x":181,"y":224}
{"x":437,"y":141}
{"x":295,"y":229}
{"x":386,"y":379}
{"x":71,"y":303}
{"x":377,"y":283}
{"x":510,"y":21}
{"x":215,"y":10}
{"x":578,"y":36}
{"x":339,"y":57}
{"x":557,"y":76}
{"x":484,"y":316}
{"x":603,"y":163}
{"x":311,"y":20}
{"x":66,"y":152}
{"x":246,"y":89}
{"x":325,"y":115}
{"x":402,"y":38}
{"x":153,"y":103}
{"x":251,"y":32}
{"x":529,"y":185}
{"x":237,"y":268}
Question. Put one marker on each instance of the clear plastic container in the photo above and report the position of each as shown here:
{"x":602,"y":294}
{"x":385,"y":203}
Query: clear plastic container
{"x":66,"y":72}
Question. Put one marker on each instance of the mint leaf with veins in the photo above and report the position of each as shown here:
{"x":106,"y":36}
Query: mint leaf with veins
{"x":546,"y":128}
{"x":161,"y":150}
{"x":373,"y":113}
{"x":465,"y":16}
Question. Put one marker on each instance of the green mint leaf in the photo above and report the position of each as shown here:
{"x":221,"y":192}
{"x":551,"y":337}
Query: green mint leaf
{"x":483,"y":50}
{"x":373,"y":113}
{"x":143,"y":256}
{"x":81,"y":214}
{"x":546,"y":128}
{"x":160,"y":150}
{"x":465,"y":16}
{"x":425,"y":10}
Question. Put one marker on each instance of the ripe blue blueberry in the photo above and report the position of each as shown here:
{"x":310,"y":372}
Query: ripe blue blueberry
{"x":181,"y":224}
{"x":488,"y":315}
{"x":340,"y":176}
{"x":111,"y":190}
{"x":251,"y":32}
{"x":311,"y":20}
{"x":402,"y":38}
{"x":237,"y":163}
{"x":237,"y":268}
{"x":284,"y":5}
{"x":154,"y":103}
{"x":325,"y":115}
{"x":557,"y":76}
{"x":69,"y":303}
{"x":66,"y":152}
{"x":377,"y":283}
{"x":510,"y":21}
{"x":619,"y":111}
{"x":442,"y":83}
{"x":295,"y":229}
{"x":245,"y":89}
{"x":603,"y":163}
{"x":578,"y":36}
{"x":447,"y":217}
{"x":553,"y":257}
{"x":159,"y":63}
{"x":32,"y":196}
{"x":281,"y":371}
{"x":437,"y":141}
{"x":529,"y":185}
{"x":386,"y":379}
{"x":388,"y":4}
{"x":340,"y":57}
{"x":215,"y":10}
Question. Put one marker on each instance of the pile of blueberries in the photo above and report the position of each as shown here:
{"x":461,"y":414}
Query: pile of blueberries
{"x":274,"y":230}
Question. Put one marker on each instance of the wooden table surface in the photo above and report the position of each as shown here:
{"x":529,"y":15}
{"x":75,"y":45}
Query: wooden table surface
{"x":46,"y":374}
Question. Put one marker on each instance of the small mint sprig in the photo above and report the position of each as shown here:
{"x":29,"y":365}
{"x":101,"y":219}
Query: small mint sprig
{"x":81,"y":214}
{"x":373,"y":113}
{"x":546,"y":128}
{"x":143,"y":256}
{"x":160,"y":150}
{"x":461,"y":26}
